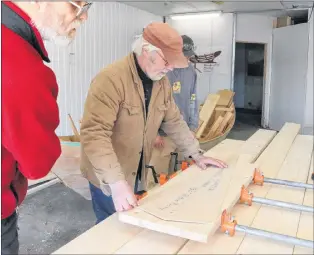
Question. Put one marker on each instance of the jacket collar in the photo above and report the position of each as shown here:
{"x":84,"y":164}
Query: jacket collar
{"x":135,"y":75}
{"x":20,"y":23}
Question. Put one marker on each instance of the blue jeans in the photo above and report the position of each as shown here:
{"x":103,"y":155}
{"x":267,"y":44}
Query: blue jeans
{"x":103,"y":205}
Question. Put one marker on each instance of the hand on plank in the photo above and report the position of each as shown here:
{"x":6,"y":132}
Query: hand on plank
{"x":203,"y":162}
{"x":122,"y":196}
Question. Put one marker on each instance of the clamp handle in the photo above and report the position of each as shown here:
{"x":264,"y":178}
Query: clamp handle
{"x":175,"y":154}
{"x":154,"y":173}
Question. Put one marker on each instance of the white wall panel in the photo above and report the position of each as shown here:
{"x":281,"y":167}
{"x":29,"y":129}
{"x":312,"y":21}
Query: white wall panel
{"x":308,"y":113}
{"x":253,"y":28}
{"x":105,"y":37}
{"x":289,"y":75}
{"x":211,"y":34}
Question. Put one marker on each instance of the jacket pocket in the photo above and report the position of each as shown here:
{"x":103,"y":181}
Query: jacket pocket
{"x":129,"y":120}
{"x":132,"y":110}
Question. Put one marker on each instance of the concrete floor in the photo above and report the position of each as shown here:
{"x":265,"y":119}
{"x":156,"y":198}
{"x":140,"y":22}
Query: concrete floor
{"x":52,"y":217}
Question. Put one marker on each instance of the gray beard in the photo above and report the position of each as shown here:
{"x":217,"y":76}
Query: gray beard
{"x":50,"y":35}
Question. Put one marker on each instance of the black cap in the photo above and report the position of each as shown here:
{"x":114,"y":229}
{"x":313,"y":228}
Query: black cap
{"x":188,"y":46}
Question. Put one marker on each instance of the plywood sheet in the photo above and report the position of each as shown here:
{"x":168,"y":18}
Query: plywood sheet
{"x":294,"y":168}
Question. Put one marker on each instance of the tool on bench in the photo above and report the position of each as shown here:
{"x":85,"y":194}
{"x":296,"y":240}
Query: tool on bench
{"x":174,"y":162}
{"x":248,"y":197}
{"x":230,"y":226}
{"x":259,"y":178}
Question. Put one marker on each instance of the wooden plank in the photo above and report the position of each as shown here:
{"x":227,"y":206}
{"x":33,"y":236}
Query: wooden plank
{"x":188,"y":230}
{"x":294,"y":168}
{"x":159,"y":243}
{"x":206,"y":112}
{"x":225,"y":109}
{"x":306,"y":223}
{"x":155,"y":223}
{"x":113,"y":234}
{"x":225,"y":97}
{"x":221,"y":243}
{"x":214,"y":127}
{"x":223,"y":123}
{"x":270,"y":161}
{"x":104,"y":238}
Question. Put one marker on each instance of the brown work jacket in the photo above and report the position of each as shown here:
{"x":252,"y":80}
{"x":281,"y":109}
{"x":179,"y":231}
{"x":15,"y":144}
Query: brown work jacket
{"x":115,"y":129}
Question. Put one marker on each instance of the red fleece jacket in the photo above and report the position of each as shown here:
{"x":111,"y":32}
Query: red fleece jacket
{"x":29,"y":113}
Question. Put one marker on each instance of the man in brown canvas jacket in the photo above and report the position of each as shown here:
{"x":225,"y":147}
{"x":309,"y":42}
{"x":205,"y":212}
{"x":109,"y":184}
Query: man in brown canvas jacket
{"x":127,"y":103}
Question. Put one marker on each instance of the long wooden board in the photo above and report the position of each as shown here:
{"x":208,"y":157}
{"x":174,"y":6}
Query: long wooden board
{"x":245,"y":214}
{"x":151,"y":220}
{"x":110,"y":235}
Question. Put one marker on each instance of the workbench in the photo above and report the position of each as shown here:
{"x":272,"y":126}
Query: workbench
{"x":285,"y":155}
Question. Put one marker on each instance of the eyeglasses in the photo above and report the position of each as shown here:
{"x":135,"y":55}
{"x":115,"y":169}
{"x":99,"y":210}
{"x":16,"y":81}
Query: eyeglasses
{"x":82,"y":9}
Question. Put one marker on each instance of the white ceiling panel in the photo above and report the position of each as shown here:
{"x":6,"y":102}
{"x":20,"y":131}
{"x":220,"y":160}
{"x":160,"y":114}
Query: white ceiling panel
{"x":166,"y":8}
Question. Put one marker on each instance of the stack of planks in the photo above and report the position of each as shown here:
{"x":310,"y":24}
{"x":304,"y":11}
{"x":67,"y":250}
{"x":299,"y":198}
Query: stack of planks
{"x":217,"y":115}
{"x":286,"y":155}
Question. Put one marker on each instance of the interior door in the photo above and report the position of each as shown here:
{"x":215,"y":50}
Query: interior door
{"x":289,"y":72}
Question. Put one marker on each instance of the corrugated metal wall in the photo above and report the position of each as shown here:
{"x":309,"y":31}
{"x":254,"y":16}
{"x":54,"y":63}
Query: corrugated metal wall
{"x":105,"y":37}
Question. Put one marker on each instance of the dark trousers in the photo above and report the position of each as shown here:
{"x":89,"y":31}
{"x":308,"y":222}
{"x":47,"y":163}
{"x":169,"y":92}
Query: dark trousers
{"x":103,"y":205}
{"x":9,"y":235}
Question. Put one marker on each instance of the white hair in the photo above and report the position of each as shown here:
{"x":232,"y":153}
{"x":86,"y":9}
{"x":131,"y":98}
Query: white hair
{"x":140,"y":43}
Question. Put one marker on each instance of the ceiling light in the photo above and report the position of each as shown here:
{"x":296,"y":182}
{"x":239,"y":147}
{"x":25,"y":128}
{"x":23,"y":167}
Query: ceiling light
{"x":196,"y":15}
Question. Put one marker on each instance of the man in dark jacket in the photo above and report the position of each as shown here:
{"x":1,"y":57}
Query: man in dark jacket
{"x":29,"y":109}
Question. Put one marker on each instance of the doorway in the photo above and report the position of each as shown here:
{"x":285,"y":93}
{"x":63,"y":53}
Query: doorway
{"x":249,"y":79}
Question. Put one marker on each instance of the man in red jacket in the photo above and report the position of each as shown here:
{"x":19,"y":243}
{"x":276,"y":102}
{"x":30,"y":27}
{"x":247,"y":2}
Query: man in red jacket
{"x":29,"y":110}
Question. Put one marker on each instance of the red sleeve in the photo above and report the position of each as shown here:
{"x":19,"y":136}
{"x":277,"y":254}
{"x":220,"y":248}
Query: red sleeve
{"x":29,"y":119}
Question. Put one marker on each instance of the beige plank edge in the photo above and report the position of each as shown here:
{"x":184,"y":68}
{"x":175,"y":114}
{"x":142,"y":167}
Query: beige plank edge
{"x":223,"y":244}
